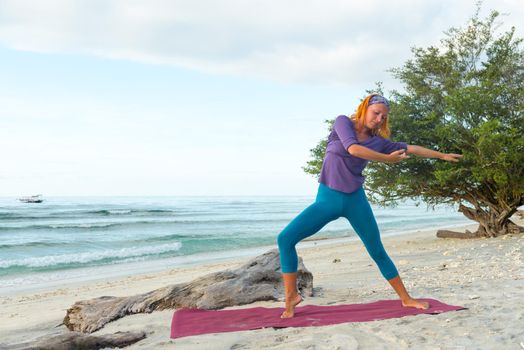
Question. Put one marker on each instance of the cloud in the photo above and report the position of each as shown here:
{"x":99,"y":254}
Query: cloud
{"x":310,"y":41}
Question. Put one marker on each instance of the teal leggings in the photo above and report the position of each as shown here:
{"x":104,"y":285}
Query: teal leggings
{"x":330,"y":205}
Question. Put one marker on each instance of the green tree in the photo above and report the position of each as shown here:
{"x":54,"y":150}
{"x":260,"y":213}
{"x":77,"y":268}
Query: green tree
{"x":463,"y":96}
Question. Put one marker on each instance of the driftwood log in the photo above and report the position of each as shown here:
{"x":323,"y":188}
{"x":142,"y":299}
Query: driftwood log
{"x":453,"y":234}
{"x":258,"y":279}
{"x":80,"y":341}
{"x":511,"y":228}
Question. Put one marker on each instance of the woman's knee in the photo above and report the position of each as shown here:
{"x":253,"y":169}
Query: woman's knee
{"x":285,"y":241}
{"x":379,"y":255}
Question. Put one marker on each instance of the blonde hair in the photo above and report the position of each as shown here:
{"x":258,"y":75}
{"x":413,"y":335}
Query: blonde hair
{"x":360,"y":115}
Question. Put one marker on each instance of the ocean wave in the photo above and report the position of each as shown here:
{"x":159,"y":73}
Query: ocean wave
{"x":76,"y":243}
{"x":90,"y":257}
{"x":174,"y":236}
{"x":106,"y":225}
{"x":119,"y":211}
{"x":131,"y":211}
{"x":14,"y":216}
{"x":86,"y":225}
{"x":422,"y":221}
{"x":30,"y":244}
{"x":95,"y":225}
{"x":86,"y":213}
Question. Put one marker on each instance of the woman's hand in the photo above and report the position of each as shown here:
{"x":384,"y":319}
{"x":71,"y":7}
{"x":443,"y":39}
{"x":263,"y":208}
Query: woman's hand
{"x":451,"y":157}
{"x":397,"y":156}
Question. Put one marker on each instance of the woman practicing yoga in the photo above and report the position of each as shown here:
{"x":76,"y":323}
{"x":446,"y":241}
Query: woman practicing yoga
{"x":352,"y":143}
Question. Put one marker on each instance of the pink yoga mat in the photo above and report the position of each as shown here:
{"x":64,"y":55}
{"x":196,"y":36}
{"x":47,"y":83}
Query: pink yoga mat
{"x":188,"y":322}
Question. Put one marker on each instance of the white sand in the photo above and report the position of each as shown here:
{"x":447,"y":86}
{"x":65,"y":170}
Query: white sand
{"x":484,"y":275}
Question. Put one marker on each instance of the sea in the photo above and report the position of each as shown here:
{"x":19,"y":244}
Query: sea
{"x":69,"y":239}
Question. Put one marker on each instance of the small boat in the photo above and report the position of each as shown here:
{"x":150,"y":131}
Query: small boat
{"x":32,"y":199}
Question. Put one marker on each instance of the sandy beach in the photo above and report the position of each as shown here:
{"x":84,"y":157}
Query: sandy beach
{"x":484,"y":275}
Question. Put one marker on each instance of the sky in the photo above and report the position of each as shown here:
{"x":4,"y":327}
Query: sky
{"x":205,"y":98}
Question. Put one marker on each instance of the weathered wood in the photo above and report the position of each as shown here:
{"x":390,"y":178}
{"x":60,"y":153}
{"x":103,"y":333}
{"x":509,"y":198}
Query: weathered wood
{"x":80,"y":341}
{"x":510,"y":228}
{"x":454,"y":234}
{"x":492,"y":223}
{"x":258,"y":279}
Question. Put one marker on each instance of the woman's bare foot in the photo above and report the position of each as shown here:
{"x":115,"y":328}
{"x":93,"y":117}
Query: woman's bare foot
{"x":415,"y":303}
{"x":290,"y":306}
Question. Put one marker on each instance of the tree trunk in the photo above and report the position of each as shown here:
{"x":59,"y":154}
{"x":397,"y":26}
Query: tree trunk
{"x":492,"y":223}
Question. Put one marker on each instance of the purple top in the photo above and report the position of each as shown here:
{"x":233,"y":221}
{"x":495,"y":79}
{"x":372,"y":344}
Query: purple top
{"x":340,"y":170}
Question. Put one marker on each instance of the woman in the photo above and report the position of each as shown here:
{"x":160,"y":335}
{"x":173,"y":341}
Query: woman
{"x":352,"y":143}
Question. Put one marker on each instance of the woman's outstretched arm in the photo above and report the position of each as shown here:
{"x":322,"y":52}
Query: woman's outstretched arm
{"x":397,"y":156}
{"x":428,"y":153}
{"x":369,"y":154}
